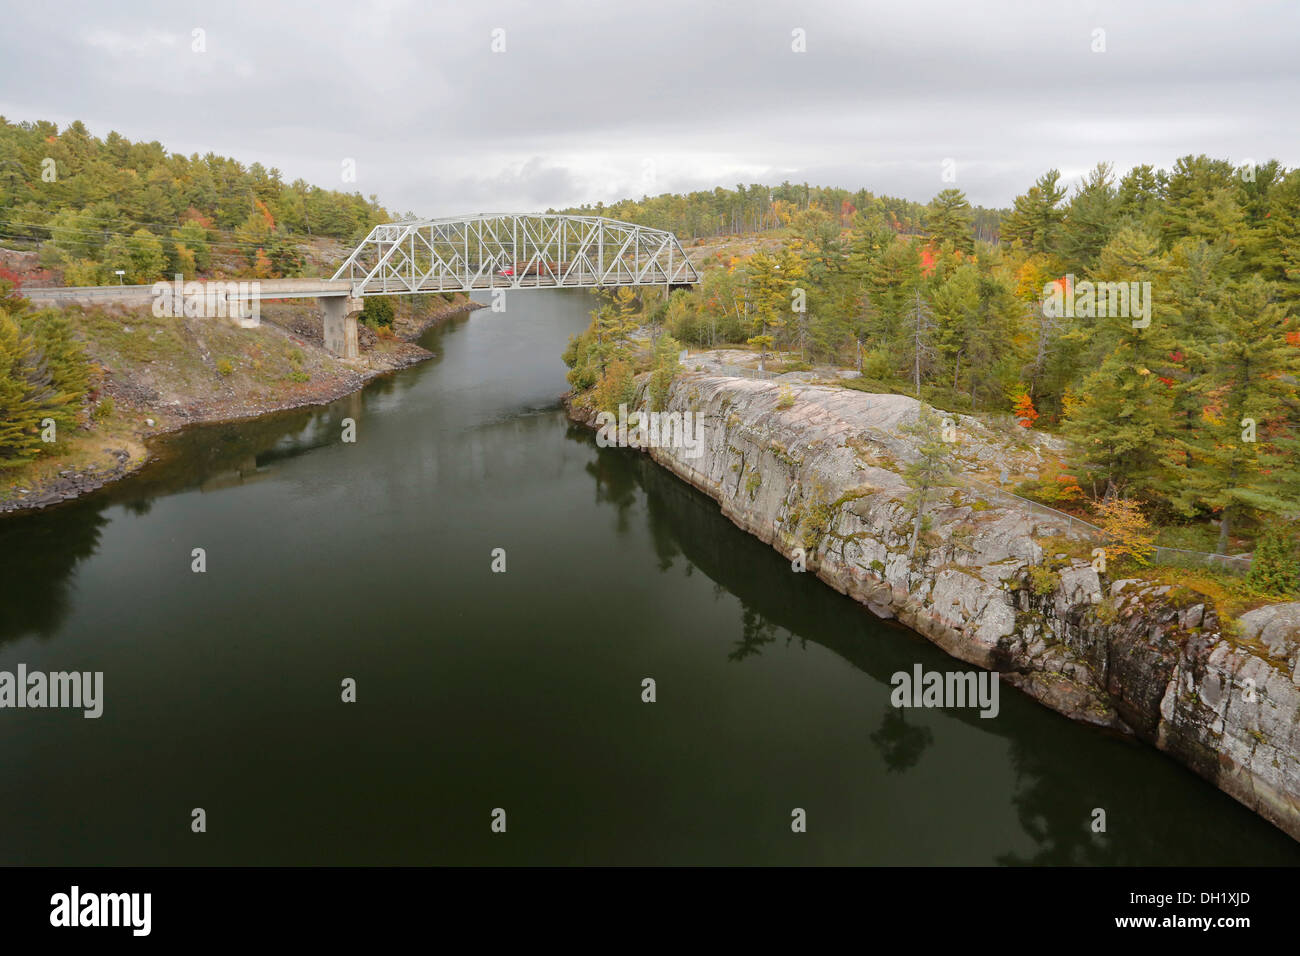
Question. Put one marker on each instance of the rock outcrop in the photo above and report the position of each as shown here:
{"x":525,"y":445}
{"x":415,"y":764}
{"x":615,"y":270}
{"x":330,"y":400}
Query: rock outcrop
{"x":816,"y":471}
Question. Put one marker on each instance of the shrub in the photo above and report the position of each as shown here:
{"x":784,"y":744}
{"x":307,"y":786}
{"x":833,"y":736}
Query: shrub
{"x":224,"y":367}
{"x":1128,"y":533}
{"x":1043,"y":580}
{"x":379,"y":310}
{"x":43,"y":374}
{"x":616,"y":387}
{"x":1054,"y":487}
{"x":1276,"y":568}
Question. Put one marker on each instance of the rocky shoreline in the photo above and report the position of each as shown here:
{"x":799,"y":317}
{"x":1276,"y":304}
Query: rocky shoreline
{"x":817,"y":470}
{"x":345,"y":378}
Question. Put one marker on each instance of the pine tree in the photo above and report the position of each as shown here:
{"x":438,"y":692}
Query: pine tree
{"x":949,"y":220}
{"x":892,"y":284}
{"x":771,"y":281}
{"x":956,"y":314}
{"x":1243,"y":450}
{"x":27,"y":393}
{"x":1122,"y":424}
{"x":1276,"y":566}
{"x":1090,"y":220}
{"x":1036,"y":216}
{"x":1141,"y":193}
{"x":932,"y":469}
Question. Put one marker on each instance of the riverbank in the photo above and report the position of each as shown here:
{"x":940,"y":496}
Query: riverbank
{"x":156,"y":375}
{"x":816,"y":471}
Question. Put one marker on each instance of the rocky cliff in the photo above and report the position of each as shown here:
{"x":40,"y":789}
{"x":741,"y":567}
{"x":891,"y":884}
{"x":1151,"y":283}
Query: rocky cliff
{"x":816,"y":471}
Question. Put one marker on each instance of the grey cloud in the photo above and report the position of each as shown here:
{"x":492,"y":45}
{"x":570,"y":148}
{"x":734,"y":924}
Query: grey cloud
{"x":586,"y":93}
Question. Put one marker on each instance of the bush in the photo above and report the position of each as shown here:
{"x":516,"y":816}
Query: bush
{"x":616,"y":387}
{"x":1054,"y":487}
{"x":379,"y":310}
{"x":43,"y":374}
{"x":1128,"y":534}
{"x":1043,"y":580}
{"x":1276,"y":568}
{"x":224,"y":367}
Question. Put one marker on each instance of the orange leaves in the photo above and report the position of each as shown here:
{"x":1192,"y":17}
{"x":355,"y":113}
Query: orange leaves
{"x":1023,"y":409}
{"x":262,"y":266}
{"x":266,"y":214}
{"x":193,"y":215}
{"x":927,"y":261}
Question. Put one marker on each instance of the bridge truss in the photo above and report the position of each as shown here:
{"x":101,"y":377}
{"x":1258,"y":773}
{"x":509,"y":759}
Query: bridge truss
{"x":514,"y":252}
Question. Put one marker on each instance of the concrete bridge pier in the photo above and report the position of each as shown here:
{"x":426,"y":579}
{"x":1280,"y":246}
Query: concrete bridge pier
{"x":341,"y":324}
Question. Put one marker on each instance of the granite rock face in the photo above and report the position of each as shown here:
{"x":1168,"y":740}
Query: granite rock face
{"x":816,"y":471}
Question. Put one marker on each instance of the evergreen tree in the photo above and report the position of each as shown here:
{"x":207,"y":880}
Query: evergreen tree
{"x":1242,"y":455}
{"x":932,"y":469}
{"x":1276,"y":567}
{"x":1036,"y":216}
{"x":949,"y":220}
{"x":1090,"y":220}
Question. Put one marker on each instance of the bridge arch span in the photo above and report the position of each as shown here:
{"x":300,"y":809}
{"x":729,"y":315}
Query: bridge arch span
{"x":514,"y":251}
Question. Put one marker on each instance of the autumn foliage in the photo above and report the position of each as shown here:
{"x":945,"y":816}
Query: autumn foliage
{"x":1128,"y":533}
{"x":1024,"y":411}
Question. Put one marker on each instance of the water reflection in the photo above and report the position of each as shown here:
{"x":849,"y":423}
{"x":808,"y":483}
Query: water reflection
{"x":525,"y":684}
{"x":900,"y":744}
{"x":38,"y":556}
{"x":1062,"y":770}
{"x":40,"y":551}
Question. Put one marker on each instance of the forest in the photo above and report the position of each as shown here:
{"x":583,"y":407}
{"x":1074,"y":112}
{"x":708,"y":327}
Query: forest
{"x":1148,"y":316}
{"x":96,"y":206}
{"x":1188,"y":406}
{"x":757,"y":208}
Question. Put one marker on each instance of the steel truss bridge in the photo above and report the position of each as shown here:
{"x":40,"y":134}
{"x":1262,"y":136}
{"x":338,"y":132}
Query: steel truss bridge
{"x":510,"y":251}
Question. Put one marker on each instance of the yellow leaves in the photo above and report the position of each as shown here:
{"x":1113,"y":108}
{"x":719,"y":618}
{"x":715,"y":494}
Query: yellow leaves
{"x":1128,"y":533}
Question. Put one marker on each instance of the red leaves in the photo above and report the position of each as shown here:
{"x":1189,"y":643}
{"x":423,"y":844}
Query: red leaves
{"x":927,"y":261}
{"x":1024,"y":411}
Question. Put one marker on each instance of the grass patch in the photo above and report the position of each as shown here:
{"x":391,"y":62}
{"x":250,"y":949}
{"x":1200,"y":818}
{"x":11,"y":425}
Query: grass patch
{"x":1229,"y":593}
{"x":1189,"y":537}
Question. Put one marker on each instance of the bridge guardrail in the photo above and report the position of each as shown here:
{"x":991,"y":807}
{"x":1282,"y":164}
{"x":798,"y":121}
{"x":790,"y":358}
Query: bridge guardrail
{"x":85,"y":292}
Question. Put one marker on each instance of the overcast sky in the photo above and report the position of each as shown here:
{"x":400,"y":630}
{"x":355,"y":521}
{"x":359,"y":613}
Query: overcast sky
{"x":598,"y":101}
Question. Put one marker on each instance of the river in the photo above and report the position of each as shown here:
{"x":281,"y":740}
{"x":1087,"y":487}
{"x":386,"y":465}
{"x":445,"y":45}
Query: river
{"x":520,"y":690}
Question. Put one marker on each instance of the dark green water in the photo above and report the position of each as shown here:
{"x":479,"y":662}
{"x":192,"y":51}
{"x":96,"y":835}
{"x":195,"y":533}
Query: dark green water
{"x":519,"y":690}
